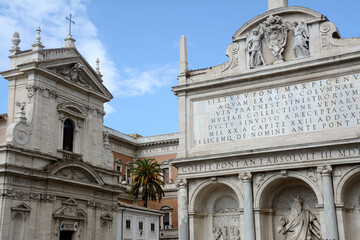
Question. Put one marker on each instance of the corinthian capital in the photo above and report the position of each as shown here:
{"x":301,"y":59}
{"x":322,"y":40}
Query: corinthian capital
{"x":181,"y":183}
{"x":246,"y":176}
{"x":324,"y":170}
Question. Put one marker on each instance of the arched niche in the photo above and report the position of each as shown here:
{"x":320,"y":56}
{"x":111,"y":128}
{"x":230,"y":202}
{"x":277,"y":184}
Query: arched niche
{"x":276,"y":197}
{"x":348,"y":195}
{"x":215,"y":209}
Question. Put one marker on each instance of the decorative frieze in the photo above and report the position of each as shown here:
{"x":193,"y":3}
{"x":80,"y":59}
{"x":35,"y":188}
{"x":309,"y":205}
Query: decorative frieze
{"x":20,"y":195}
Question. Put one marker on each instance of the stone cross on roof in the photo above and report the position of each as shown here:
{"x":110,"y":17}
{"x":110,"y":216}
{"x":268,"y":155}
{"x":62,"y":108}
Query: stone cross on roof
{"x":70,"y":22}
{"x":277,"y":4}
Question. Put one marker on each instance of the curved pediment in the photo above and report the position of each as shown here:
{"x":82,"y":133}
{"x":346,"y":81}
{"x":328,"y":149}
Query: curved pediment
{"x":72,"y":109}
{"x":76,"y":171}
{"x":289,"y":14}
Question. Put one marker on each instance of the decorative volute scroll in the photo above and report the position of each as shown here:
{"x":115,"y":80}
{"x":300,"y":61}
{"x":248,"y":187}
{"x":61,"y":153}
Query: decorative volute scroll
{"x":18,"y":133}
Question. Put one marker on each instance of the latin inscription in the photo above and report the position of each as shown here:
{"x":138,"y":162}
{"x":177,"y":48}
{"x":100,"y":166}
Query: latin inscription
{"x":269,"y":160}
{"x":306,"y":107}
{"x":161,"y":150}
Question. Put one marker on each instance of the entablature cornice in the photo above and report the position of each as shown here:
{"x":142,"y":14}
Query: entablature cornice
{"x":260,"y":160}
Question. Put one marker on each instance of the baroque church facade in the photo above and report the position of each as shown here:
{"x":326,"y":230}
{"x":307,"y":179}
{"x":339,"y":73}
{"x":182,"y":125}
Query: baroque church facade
{"x":268,"y":143}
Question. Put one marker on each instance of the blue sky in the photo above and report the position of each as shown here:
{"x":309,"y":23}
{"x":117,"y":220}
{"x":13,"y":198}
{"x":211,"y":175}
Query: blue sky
{"x":137,"y":42}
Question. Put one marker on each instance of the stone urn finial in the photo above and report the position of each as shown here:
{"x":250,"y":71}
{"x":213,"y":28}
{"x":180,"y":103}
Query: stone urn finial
{"x":15,"y":40}
{"x":37,"y":45}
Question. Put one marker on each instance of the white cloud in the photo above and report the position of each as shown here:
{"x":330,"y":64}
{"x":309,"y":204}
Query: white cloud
{"x":108,"y":109}
{"x":24,"y":16}
{"x":135,"y":83}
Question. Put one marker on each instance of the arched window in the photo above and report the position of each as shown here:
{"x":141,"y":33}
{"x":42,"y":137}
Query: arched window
{"x":166,"y":218}
{"x":68,"y":135}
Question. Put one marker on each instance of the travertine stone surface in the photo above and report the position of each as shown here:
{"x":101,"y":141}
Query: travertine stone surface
{"x":285,"y":103}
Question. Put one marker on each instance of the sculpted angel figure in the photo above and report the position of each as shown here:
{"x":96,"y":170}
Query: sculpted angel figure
{"x":254,"y":48}
{"x":300,"y":224}
{"x":301,"y":40}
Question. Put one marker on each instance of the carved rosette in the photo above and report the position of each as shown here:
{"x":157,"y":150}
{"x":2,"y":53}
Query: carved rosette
{"x":275,"y":33}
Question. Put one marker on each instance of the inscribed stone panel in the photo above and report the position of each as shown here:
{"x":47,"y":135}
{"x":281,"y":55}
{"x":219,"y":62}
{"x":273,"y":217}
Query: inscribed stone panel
{"x":299,"y":108}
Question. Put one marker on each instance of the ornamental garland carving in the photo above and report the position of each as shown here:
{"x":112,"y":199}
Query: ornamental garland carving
{"x":102,"y":206}
{"x":37,"y":88}
{"x":11,"y":193}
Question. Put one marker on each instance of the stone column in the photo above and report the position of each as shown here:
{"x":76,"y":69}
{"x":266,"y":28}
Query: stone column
{"x":249,"y":222}
{"x":183,"y":217}
{"x":331,"y":228}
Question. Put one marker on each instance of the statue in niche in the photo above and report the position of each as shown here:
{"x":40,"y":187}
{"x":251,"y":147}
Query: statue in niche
{"x":300,"y":223}
{"x":301,"y":40}
{"x":254,"y":49}
{"x":275,"y":32}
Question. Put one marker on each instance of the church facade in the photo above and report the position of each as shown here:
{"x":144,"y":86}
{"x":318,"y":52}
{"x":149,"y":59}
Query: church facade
{"x":269,"y":141}
{"x":268,"y":144}
{"x":63,"y":174}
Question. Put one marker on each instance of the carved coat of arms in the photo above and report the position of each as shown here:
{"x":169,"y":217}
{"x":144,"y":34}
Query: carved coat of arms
{"x":275,"y":33}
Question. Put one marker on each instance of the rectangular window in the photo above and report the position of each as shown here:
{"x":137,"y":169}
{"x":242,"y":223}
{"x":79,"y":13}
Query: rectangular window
{"x":118,"y":168}
{"x":141,"y":225}
{"x":128,"y":224}
{"x":152,"y":227}
{"x":128,"y":176}
{"x":166,"y":220}
{"x":166,"y":175}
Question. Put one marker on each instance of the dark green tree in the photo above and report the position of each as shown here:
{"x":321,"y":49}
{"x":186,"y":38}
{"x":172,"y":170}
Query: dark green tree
{"x":147,"y":178}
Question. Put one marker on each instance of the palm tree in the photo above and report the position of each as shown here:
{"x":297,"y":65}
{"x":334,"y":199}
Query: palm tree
{"x":146,"y":177}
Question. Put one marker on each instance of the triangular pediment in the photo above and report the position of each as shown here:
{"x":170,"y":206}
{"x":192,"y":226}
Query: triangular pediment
{"x":70,"y":212}
{"x":74,"y":70}
{"x":71,"y":202}
{"x":107,"y":217}
{"x":21,"y":207}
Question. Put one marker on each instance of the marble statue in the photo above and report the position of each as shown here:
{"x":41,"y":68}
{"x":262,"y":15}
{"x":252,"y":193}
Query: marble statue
{"x":301,"y":40}
{"x":299,"y":223}
{"x":254,"y":49}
